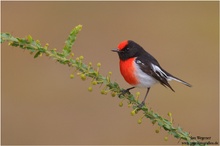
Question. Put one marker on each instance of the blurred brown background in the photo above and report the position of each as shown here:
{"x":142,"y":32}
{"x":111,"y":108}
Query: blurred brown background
{"x":41,"y":105}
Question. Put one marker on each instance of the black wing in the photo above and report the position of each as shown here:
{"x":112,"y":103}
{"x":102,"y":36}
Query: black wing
{"x":150,"y":66}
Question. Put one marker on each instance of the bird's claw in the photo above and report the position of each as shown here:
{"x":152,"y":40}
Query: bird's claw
{"x":123,"y":92}
{"x":141,"y":104}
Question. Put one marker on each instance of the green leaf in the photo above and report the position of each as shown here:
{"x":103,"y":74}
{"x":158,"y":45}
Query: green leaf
{"x":60,"y":54}
{"x":66,"y":52}
{"x":71,"y":39}
{"x":7,"y":37}
{"x":23,"y":41}
{"x":41,"y":49}
{"x":30,"y":48}
{"x":160,"y":123}
{"x":179,"y":128}
{"x":37,"y":54}
{"x":176,"y":135}
{"x":29,"y":37}
{"x":53,"y":51}
{"x":166,"y":127}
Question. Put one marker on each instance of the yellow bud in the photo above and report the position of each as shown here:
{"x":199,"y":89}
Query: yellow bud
{"x":79,"y":27}
{"x":165,"y":138}
{"x":37,"y":41}
{"x":133,"y":112}
{"x":121,"y":104}
{"x":71,"y":76}
{"x":98,"y":64}
{"x":77,"y":59}
{"x":81,"y":57}
{"x":94,"y":82}
{"x":138,"y":93}
{"x":129,"y":105}
{"x":29,"y":38}
{"x":102,"y":91}
{"x":83,"y":77}
{"x":113,"y":94}
{"x":139,"y":121}
{"x":90,"y":89}
{"x":157,"y":130}
{"x":169,"y":114}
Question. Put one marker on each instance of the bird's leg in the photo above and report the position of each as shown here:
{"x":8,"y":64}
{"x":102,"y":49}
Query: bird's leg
{"x":123,"y":92}
{"x":143,"y":102}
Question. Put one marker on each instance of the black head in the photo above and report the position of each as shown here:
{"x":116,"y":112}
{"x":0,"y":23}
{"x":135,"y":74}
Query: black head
{"x":128,"y":49}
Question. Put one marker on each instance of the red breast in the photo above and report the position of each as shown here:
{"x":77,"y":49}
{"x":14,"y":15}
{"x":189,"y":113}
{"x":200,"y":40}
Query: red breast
{"x":127,"y":69}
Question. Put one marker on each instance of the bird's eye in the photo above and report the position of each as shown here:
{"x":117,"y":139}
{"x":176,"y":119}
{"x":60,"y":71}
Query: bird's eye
{"x":127,"y":49}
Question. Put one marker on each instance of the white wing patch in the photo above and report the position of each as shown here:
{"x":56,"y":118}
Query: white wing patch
{"x":160,"y":73}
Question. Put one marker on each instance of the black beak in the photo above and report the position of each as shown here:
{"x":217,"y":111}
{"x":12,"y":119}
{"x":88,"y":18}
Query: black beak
{"x":115,"y":50}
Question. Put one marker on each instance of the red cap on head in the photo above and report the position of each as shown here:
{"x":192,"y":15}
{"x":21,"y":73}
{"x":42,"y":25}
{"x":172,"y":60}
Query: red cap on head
{"x":122,"y":44}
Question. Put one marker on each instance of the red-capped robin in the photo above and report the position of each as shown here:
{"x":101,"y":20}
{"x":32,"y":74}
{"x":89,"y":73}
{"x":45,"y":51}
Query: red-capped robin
{"x":140,"y":69}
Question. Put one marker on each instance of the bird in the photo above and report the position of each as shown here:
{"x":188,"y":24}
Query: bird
{"x":141,"y":69}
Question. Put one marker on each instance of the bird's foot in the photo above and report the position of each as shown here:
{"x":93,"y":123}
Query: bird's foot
{"x":124,"y":91}
{"x":141,"y":104}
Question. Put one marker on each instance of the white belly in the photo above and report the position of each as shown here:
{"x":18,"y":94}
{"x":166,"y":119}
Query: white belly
{"x":144,"y":79}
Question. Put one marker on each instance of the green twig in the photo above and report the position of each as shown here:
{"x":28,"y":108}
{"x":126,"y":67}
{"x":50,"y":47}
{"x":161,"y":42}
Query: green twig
{"x":85,"y":71}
